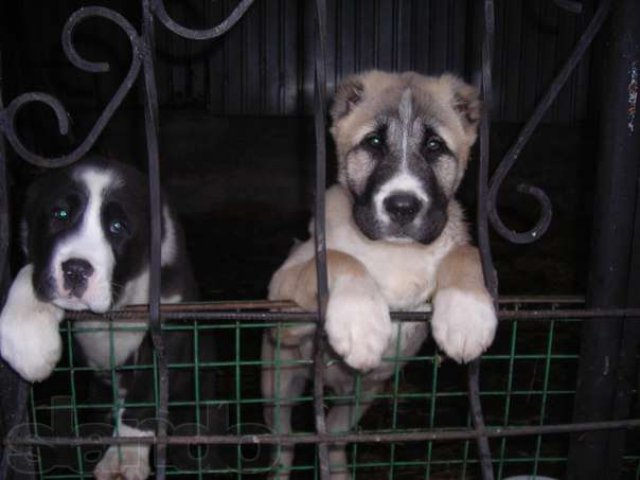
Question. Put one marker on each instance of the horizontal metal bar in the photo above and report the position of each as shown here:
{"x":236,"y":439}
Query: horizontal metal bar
{"x":551,"y":299}
{"x":362,"y":437}
{"x":211,"y":311}
{"x":285,"y":305}
{"x":569,"y":313}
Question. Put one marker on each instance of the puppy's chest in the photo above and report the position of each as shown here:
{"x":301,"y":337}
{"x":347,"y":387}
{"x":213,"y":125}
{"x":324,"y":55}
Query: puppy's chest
{"x":106,"y":345}
{"x":405,"y":281}
{"x":109,"y":345}
{"x":405,"y":274}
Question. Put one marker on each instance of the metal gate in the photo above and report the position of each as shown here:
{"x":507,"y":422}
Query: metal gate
{"x":609,"y":325}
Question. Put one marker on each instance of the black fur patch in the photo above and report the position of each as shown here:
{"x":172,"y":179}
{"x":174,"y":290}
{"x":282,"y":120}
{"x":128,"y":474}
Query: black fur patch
{"x":420,"y":165}
{"x":125,"y":202}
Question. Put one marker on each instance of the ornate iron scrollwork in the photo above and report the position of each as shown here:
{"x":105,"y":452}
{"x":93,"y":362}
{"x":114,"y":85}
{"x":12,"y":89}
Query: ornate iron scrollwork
{"x":510,"y":158}
{"x":8,"y":116}
{"x":161,"y":13}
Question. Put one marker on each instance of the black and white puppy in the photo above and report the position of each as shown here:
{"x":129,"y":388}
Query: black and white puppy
{"x":85,"y":233}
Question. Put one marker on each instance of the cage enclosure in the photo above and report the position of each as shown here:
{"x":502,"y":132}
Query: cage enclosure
{"x":225,"y":104}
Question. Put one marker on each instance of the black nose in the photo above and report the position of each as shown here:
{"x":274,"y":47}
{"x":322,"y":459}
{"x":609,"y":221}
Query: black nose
{"x":402,"y":207}
{"x":76,"y":272}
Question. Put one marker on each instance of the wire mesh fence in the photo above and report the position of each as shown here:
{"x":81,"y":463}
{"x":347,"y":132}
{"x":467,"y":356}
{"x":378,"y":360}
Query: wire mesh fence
{"x":528,"y":380}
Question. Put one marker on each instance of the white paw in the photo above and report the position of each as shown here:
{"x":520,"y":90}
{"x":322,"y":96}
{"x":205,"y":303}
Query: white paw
{"x":463,"y":324}
{"x":128,"y":462}
{"x":358,"y":324}
{"x":29,"y":337}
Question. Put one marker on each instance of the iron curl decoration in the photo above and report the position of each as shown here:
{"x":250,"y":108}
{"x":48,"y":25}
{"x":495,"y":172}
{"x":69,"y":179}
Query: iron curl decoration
{"x":7,"y":117}
{"x":546,"y":209}
{"x":207,"y":34}
{"x":510,"y":158}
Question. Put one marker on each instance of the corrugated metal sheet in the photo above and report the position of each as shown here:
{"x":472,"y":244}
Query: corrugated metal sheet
{"x":264,"y":65}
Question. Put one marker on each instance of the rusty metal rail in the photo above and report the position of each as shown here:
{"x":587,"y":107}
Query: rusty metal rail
{"x":265,"y":311}
{"x":360,"y":437}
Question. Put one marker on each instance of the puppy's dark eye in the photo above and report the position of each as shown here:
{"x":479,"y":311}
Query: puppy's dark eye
{"x":117,"y":227}
{"x":434,"y":145}
{"x":60,"y":213}
{"x":375,"y":140}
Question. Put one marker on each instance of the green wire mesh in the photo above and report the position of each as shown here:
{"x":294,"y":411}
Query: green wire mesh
{"x":528,"y":378}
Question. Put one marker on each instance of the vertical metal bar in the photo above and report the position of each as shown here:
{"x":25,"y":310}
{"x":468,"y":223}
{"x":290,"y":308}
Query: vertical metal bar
{"x":155,"y":206}
{"x":490,"y":277}
{"x":14,"y":391}
{"x":475,"y":406}
{"x":483,"y":170}
{"x":628,"y":367}
{"x":612,"y":245}
{"x":320,"y":41}
{"x":5,"y":222}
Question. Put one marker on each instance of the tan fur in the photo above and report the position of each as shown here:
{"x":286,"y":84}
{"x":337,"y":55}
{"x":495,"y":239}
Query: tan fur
{"x":461,"y":269}
{"x":437,"y":96}
{"x":358,"y":170}
{"x":299,"y":283}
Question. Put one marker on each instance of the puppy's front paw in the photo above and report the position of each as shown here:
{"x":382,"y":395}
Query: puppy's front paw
{"x":128,"y":462}
{"x":31,"y":344}
{"x":463,"y":324}
{"x":358,"y":324}
{"x":29,"y":337}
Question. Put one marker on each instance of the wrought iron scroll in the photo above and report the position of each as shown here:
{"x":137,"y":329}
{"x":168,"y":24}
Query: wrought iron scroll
{"x":487,"y":204}
{"x":208,"y":34}
{"x":525,"y":134}
{"x":8,"y":116}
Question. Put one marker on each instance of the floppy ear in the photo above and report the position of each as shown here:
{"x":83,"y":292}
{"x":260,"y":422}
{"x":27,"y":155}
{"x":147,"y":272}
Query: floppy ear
{"x":31,"y":209}
{"x":28,"y":211}
{"x":348,"y":94}
{"x":466,"y":102}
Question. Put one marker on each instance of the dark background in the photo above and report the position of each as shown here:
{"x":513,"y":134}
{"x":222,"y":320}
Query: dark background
{"x":236,"y":131}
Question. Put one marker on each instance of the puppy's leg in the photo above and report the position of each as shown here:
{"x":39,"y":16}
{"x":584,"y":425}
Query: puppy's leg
{"x":342,"y":418}
{"x":358,"y":324}
{"x":135,"y":387}
{"x":464,"y":320}
{"x":29,"y":337}
{"x":128,"y":462}
{"x":280,"y":384}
